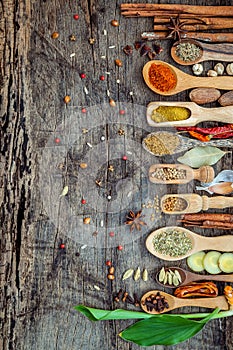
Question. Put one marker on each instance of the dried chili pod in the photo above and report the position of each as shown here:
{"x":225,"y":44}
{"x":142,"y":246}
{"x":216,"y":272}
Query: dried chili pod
{"x":139,"y":44}
{"x":157,"y":48}
{"x":151,"y":55}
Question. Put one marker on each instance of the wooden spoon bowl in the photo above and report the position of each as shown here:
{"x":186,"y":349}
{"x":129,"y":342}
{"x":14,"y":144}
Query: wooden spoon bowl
{"x":198,"y":243}
{"x":187,"y":277}
{"x":185,"y":81}
{"x":217,"y":52}
{"x":175,"y":303}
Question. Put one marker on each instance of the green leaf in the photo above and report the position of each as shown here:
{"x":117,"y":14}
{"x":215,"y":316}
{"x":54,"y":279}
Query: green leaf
{"x":164,"y":330}
{"x":119,"y":314}
{"x":199,"y":156}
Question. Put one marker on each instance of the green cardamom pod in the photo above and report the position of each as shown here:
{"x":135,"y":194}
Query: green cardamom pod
{"x":128,"y":273}
{"x":178,"y":275}
{"x":145,"y":275}
{"x":162,"y":274}
{"x":137,"y":274}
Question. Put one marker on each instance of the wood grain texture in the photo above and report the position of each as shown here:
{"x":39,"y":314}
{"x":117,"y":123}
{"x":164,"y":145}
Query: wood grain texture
{"x":40,"y":283}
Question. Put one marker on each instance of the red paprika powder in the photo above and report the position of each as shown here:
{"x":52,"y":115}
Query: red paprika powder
{"x":161,"y":77}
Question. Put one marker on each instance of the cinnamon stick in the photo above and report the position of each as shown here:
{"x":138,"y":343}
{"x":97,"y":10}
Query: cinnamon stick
{"x":218,"y":224}
{"x":180,"y":8}
{"x":220,"y":21}
{"x":209,"y":216}
{"x":207,"y":37}
{"x":196,"y":27}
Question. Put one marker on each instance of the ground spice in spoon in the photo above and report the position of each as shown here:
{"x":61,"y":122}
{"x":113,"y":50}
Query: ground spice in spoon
{"x":161,"y":77}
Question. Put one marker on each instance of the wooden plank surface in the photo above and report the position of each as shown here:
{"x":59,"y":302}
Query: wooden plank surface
{"x":40,"y":282}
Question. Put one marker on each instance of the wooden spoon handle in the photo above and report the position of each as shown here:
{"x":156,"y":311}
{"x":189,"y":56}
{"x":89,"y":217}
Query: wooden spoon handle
{"x":211,"y":303}
{"x":219,"y":243}
{"x":225,"y":83}
{"x":218,"y":202}
{"x":221,"y":52}
{"x":221,"y":278}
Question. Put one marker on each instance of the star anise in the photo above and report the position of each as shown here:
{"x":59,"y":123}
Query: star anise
{"x":134,"y":220}
{"x":175,"y":28}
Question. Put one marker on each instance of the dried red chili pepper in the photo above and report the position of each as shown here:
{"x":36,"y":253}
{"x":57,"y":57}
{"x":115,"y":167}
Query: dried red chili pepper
{"x":200,"y":137}
{"x":207,"y":131}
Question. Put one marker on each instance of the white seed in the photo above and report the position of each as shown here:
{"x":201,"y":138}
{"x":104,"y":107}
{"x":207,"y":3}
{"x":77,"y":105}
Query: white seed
{"x":102,"y":223}
{"x":96,"y":287}
{"x":89,"y":145}
{"x":108,"y":73}
{"x":105,"y":32}
{"x":112,"y":47}
{"x":108,"y":93}
{"x":86,"y":91}
{"x":102,"y":138}
{"x":103,"y":57}
{"x":118,"y":81}
{"x":84,"y":246}
{"x":109,"y":197}
{"x":131,"y":93}
{"x":72,"y":54}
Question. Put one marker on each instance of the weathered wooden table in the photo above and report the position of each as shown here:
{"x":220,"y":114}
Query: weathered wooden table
{"x":42,"y":146}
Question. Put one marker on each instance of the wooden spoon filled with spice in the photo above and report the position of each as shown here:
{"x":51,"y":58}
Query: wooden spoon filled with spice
{"x":179,"y":114}
{"x":165,"y":79}
{"x":176,"y":243}
{"x":158,"y":302}
{"x":188,"y":52}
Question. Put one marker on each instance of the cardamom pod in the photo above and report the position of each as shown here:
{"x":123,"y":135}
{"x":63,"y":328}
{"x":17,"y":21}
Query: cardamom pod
{"x":169,"y":279}
{"x":162,"y":274}
{"x":145,"y":275}
{"x":178,"y":275}
{"x":137,"y":274}
{"x":128,"y":273}
{"x":175,"y":281}
{"x":64,"y":191}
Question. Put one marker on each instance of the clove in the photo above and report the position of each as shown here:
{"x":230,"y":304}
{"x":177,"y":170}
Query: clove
{"x":118,"y":296}
{"x":129,"y":299}
{"x":136,"y":300}
{"x":125,"y":296}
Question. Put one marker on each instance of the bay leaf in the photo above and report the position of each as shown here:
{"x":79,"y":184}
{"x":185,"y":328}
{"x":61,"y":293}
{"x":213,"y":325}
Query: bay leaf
{"x":200,"y":156}
{"x":128,"y":273}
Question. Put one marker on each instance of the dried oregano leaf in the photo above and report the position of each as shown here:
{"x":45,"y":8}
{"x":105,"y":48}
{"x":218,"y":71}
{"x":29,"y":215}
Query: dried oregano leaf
{"x":145,"y":275}
{"x":64,"y":191}
{"x":128,"y":273}
{"x":137,"y":274}
{"x":199,"y":156}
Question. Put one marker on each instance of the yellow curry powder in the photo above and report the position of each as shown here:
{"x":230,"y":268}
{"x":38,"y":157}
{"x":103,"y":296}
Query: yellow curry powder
{"x":170,"y":113}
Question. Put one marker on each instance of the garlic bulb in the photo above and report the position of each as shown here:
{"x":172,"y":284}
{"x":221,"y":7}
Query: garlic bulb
{"x":229,"y":69}
{"x":219,"y":68}
{"x":197,"y":69}
{"x":212,"y":73}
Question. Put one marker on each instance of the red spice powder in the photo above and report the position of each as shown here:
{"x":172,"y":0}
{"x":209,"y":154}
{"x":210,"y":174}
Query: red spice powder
{"x":161,"y":77}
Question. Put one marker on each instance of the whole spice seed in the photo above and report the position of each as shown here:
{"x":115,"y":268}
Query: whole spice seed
{"x":162,"y":143}
{"x":161,"y":77}
{"x":86,"y":221}
{"x":110,"y":277}
{"x":145,"y":275}
{"x":111,"y":270}
{"x":118,"y":63}
{"x":170,"y":113}
{"x":118,"y":296}
{"x":172,"y":242}
{"x":55,"y":35}
{"x":171,"y":276}
{"x":188,"y":52}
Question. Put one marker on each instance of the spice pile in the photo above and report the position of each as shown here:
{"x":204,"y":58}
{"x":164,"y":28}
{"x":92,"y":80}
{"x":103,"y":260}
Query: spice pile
{"x":161,"y":77}
{"x":174,"y":243}
{"x":170,"y":113}
{"x":170,"y":276}
{"x":167,"y":173}
{"x":188,"y":51}
{"x":162,"y":143}
{"x":174,"y":204}
{"x":156,"y":302}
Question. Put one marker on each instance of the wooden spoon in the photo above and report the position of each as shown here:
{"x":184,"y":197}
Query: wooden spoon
{"x":188,"y":277}
{"x":186,"y":81}
{"x":175,"y":303}
{"x":217,"y":52}
{"x":198,"y":114}
{"x":219,"y":243}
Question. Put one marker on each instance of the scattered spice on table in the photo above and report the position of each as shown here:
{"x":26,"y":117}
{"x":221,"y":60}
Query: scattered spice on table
{"x":162,"y":77}
{"x":172,"y":242}
{"x":167,"y":173}
{"x":187,"y":51}
{"x":170,"y":113}
{"x":162,"y":143}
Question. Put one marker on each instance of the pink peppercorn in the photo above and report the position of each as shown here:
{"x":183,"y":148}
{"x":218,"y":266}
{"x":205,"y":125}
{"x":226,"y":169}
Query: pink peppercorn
{"x":121,"y":111}
{"x":82,"y":76}
{"x":111,"y":234}
{"x":102,"y":77}
{"x":120,"y":247}
{"x":124,"y":157}
{"x":83,"y":201}
{"x":76,"y":16}
{"x":62,"y":246}
{"x":108,"y":263}
{"x":57,"y":140}
{"x":83,"y":110}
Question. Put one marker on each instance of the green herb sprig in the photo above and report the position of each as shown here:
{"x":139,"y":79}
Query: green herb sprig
{"x":152,"y":329}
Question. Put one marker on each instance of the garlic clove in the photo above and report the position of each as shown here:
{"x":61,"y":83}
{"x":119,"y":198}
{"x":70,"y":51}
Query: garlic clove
{"x":219,"y":68}
{"x":197,"y":69}
{"x":229,"y":69}
{"x":212,"y":73}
